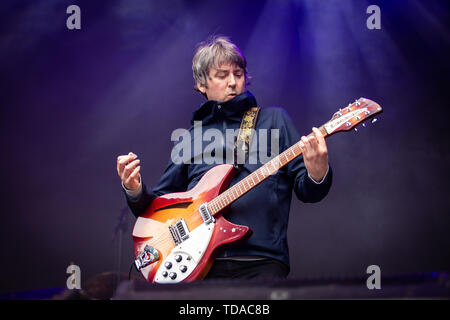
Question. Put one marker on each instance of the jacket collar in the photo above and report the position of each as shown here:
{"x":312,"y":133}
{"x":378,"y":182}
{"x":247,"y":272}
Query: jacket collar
{"x":232,"y":109}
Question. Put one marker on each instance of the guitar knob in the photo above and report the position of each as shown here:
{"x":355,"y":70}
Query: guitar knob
{"x":183,"y":268}
{"x":168,"y":265}
{"x":164,"y":274}
{"x":173,"y":275}
{"x":178,"y":258}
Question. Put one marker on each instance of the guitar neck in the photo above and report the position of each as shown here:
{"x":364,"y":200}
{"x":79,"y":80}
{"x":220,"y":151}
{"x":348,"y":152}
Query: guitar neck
{"x":252,"y":180}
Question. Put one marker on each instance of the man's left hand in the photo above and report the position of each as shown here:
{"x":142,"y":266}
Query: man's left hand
{"x":315,"y":154}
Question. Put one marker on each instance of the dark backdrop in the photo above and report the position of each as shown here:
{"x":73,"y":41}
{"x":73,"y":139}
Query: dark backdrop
{"x":73,"y":100}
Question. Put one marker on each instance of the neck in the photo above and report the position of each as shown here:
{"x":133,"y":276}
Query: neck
{"x":252,"y":180}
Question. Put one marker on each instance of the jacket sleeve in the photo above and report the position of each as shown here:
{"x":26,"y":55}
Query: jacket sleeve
{"x":304,"y":187}
{"x":174,"y":179}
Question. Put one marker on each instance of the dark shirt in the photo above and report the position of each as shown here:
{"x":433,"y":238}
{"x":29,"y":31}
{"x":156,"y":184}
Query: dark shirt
{"x":265,"y":208}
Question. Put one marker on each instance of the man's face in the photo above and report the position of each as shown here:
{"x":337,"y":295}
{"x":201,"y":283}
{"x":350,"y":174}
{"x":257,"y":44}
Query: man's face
{"x":224,"y":82}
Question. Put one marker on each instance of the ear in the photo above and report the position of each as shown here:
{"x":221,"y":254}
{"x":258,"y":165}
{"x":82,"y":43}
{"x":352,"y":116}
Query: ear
{"x":201,"y":87}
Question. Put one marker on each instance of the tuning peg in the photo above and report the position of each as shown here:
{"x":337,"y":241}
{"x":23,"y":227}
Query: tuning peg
{"x":374,"y":120}
{"x":356,"y":129}
{"x":364,"y":124}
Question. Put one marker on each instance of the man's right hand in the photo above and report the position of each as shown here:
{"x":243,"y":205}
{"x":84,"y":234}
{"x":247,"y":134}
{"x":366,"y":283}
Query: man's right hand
{"x":128,"y":170}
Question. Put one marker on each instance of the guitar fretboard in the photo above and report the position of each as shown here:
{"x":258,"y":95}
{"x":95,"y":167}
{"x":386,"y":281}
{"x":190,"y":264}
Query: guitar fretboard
{"x":252,"y":180}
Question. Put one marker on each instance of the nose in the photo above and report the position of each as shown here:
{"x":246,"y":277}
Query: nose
{"x":232,"y":81}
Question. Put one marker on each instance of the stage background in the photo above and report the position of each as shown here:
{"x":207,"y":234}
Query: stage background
{"x":73,"y":100}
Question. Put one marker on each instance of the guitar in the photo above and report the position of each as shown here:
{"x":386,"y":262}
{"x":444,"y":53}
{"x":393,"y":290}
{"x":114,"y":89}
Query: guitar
{"x":178,"y":236}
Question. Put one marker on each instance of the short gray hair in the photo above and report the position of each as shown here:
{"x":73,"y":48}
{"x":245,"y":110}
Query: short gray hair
{"x":213,"y":52}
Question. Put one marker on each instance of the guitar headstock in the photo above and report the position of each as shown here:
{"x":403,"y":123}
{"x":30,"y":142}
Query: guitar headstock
{"x":356,"y":113}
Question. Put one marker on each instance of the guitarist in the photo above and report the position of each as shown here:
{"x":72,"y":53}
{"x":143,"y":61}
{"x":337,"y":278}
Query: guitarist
{"x":220,"y":74}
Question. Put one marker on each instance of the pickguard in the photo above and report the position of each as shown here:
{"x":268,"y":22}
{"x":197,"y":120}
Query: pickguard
{"x":185,"y":257}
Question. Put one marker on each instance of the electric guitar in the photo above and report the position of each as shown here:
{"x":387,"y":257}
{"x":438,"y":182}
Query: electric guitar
{"x":178,"y":236}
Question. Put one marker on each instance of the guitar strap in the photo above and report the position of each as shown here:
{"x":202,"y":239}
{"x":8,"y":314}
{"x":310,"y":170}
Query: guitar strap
{"x":245,"y":135}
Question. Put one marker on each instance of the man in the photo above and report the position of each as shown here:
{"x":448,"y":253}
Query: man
{"x":220,"y":73}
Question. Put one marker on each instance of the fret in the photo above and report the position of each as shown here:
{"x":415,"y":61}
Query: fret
{"x":273,"y":167}
{"x":209,"y":206}
{"x":238,"y":190}
{"x":287,"y":159}
{"x":293,"y":152}
{"x":218,"y":203}
{"x":216,"y":207}
{"x":252,"y":180}
{"x":262,"y":175}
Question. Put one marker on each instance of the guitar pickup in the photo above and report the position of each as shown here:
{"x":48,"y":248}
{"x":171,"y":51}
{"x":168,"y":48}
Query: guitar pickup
{"x":179,"y":231}
{"x":146,"y":257}
{"x":204,"y":212}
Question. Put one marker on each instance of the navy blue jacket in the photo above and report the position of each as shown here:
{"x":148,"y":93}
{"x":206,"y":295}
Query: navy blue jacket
{"x":265,"y":208}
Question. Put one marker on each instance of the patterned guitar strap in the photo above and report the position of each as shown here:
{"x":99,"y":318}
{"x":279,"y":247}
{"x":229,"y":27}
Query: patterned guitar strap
{"x":245,"y":135}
